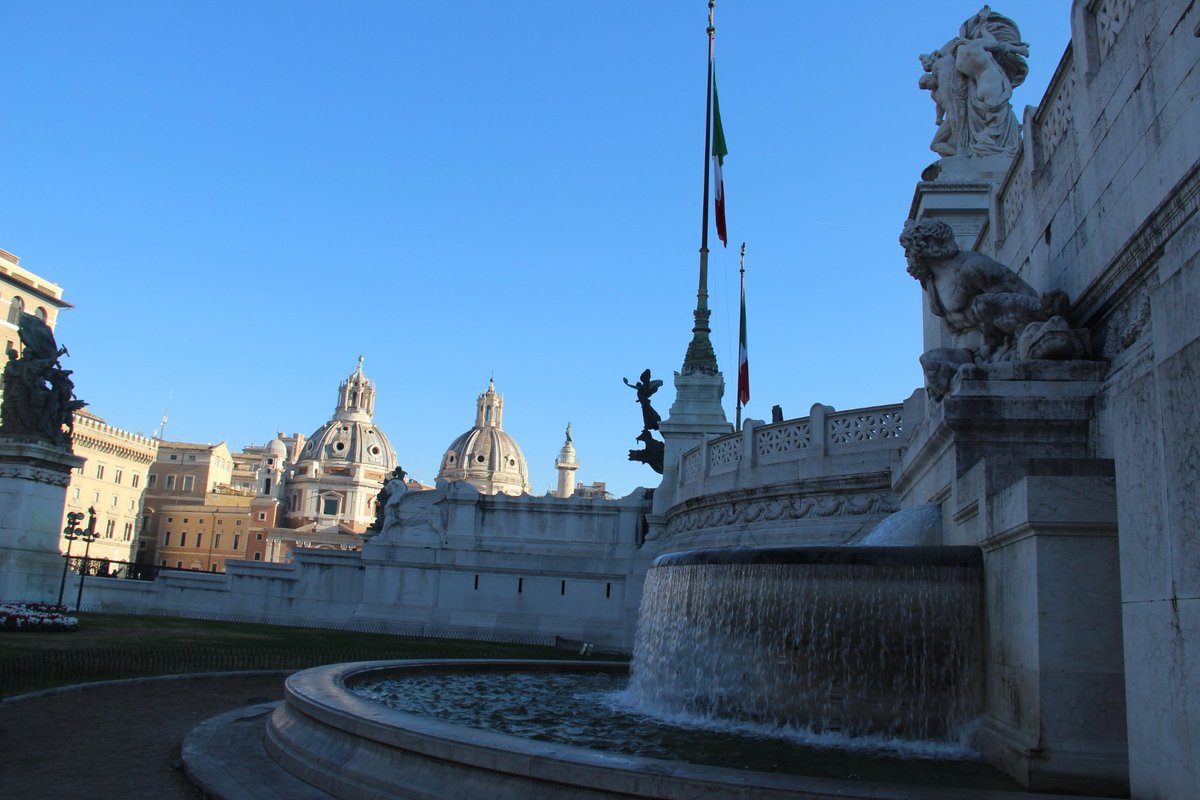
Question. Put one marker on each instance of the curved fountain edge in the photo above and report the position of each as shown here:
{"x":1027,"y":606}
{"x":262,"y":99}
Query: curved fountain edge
{"x":352,"y":747}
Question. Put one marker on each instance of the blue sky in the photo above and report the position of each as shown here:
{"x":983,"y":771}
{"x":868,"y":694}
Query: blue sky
{"x":241,"y":198}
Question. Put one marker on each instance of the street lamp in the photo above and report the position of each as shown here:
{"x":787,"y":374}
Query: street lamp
{"x":88,"y":537}
{"x":70,"y":533}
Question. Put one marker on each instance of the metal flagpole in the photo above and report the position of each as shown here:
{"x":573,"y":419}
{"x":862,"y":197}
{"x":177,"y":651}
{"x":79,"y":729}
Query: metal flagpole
{"x":741,"y":328}
{"x":700,"y":357}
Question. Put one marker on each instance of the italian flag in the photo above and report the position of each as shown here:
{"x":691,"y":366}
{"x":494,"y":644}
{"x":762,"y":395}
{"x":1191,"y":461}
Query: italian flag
{"x":718,"y":156}
{"x":743,"y":389}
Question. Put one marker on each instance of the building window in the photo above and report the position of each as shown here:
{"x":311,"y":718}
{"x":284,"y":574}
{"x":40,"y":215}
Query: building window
{"x":137,"y":479}
{"x":267,"y":486}
{"x":520,"y":585}
{"x":75,"y":493}
{"x":188,"y":483}
{"x":191,"y":458}
{"x":258,"y":536}
{"x":99,"y":472}
{"x":166,"y":538}
{"x":15,"y":309}
{"x":95,"y":498}
{"x":199,"y":520}
{"x":217,"y":541}
{"x":199,"y":538}
{"x":132,"y":504}
{"x":262,"y":515}
{"x":562,"y":587}
{"x":212,"y":567}
{"x":220,"y":522}
{"x":113,"y":504}
{"x":174,"y":457}
{"x":237,"y":522}
{"x":236,"y":537}
{"x":151,"y":479}
{"x":178,"y":565}
{"x":118,"y":475}
{"x":329,"y":506}
{"x":608,"y":590}
{"x":258,"y":556}
{"x":110,"y":528}
{"x":183,"y":538}
{"x":185,"y":519}
{"x":477,"y":583}
{"x":40,"y":313}
{"x":170,"y":481}
{"x":129,"y":531}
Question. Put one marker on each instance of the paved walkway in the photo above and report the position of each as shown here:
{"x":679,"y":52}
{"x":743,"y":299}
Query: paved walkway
{"x":118,"y":739}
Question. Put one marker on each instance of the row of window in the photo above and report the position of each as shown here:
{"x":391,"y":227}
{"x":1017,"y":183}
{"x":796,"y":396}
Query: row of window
{"x":197,"y":567}
{"x":118,"y":475}
{"x":110,"y":530}
{"x":170,"y":482}
{"x":183,"y":539}
{"x":75,"y":493}
{"x":17,"y":307}
{"x":220,"y":521}
{"x":562,"y":587}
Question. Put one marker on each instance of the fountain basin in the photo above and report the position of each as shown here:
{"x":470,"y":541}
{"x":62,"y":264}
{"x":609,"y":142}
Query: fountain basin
{"x":352,"y":747}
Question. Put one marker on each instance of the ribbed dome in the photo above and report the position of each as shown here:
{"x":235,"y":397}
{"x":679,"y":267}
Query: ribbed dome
{"x":485,"y":456}
{"x":352,"y":441}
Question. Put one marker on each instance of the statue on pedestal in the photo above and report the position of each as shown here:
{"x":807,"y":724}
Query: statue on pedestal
{"x":651,"y":453}
{"x":39,"y":396}
{"x":395,"y":484}
{"x":971,"y":79}
{"x":991,"y":314}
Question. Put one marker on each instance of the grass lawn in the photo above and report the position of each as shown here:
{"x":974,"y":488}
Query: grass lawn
{"x":108,"y":646}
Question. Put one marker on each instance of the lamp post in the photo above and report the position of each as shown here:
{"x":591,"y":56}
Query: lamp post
{"x":70,"y":533}
{"x":88,"y":537}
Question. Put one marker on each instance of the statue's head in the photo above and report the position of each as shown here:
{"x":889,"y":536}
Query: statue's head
{"x":926,"y":241}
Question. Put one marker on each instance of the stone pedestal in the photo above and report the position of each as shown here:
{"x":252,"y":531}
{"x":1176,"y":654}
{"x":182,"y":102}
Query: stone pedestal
{"x":696,"y":413}
{"x":1006,"y":456}
{"x":33,"y":488}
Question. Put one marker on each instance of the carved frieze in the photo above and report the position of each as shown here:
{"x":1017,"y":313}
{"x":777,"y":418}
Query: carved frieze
{"x":26,"y":472}
{"x":774,"y":509}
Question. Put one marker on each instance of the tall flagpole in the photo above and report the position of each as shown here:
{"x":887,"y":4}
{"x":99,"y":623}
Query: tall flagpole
{"x":741,"y":335}
{"x":700,"y":357}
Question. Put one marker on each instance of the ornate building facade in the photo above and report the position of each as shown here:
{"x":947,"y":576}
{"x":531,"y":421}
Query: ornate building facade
{"x":111,"y":481}
{"x":328,"y":483}
{"x":485,"y":456}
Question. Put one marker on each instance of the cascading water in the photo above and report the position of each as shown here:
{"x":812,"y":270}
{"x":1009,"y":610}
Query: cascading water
{"x":856,"y":641}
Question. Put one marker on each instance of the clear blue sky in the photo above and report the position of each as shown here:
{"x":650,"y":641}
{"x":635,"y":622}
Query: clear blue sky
{"x":240,"y":198}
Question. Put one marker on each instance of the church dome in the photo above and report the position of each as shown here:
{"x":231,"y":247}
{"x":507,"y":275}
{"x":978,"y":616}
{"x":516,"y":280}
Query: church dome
{"x":485,"y":456}
{"x":276,"y":449}
{"x":351,"y":437}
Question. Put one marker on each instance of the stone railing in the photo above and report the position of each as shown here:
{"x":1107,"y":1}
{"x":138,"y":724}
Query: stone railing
{"x":1110,"y":16}
{"x":761,"y":454}
{"x":1055,"y":115}
{"x":1045,"y":128}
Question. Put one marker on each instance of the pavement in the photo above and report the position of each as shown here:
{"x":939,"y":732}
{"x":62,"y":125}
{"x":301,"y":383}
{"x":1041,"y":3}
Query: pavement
{"x":116,"y":739}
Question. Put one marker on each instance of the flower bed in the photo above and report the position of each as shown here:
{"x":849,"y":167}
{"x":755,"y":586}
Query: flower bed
{"x":36,"y":617}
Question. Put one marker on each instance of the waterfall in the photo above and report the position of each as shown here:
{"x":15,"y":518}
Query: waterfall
{"x":861,"y":641}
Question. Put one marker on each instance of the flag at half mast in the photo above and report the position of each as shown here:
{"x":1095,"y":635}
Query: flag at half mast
{"x":719,"y":152}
